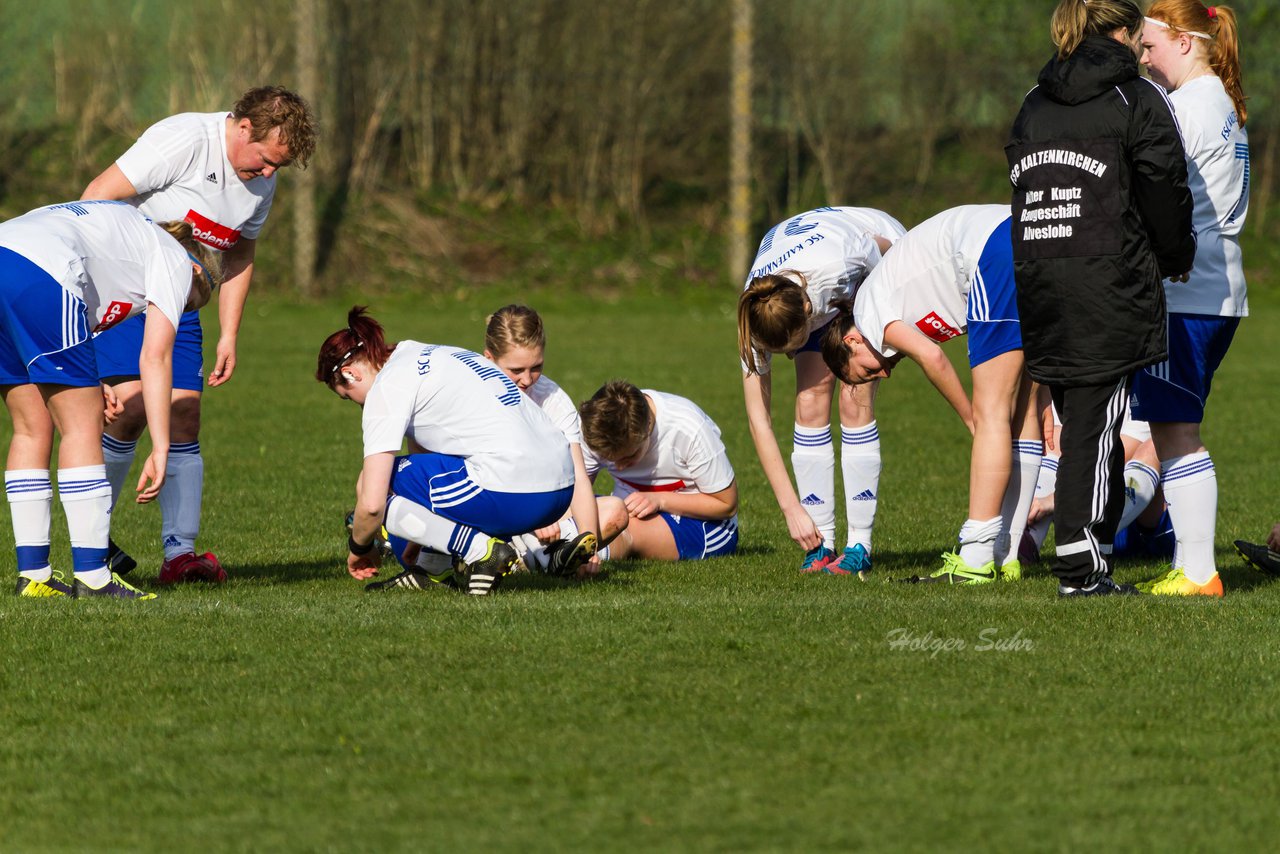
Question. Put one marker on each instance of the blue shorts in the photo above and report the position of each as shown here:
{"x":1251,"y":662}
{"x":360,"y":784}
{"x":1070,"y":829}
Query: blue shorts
{"x":814,"y":342}
{"x":441,"y":483}
{"x":1175,"y":391}
{"x":992,"y":312}
{"x":119,"y":347}
{"x":44,"y":329}
{"x":699,"y":538}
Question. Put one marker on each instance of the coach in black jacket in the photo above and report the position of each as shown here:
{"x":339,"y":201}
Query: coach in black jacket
{"x":1101,"y":213}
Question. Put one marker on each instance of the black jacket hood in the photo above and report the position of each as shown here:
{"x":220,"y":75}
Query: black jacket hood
{"x":1098,"y":64}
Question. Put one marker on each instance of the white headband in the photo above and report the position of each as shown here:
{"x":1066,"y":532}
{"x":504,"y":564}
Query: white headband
{"x":1204,"y":36}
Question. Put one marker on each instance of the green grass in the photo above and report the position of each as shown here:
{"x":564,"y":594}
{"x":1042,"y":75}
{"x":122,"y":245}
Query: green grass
{"x":727,"y":705}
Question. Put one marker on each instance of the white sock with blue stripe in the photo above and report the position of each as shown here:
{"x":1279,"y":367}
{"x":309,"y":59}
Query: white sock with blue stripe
{"x":118,"y":456}
{"x":1046,"y":485}
{"x":86,"y":499}
{"x":180,"y":499}
{"x":1140,"y":484}
{"x":1191,"y":488}
{"x":1018,"y":495}
{"x":417,"y":524}
{"x":30,"y":497}
{"x":813,"y":459}
{"x":860,"y":467}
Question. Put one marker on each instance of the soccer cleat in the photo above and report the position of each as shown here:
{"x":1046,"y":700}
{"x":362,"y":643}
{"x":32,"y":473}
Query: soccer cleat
{"x":117,"y":561}
{"x":854,"y":561}
{"x":1011,"y":570}
{"x":565,"y":556}
{"x":1175,"y":583}
{"x":816,"y":560}
{"x":414,"y":579}
{"x":116,"y":588}
{"x":50,"y":588}
{"x":955,"y":571}
{"x":191,"y":567}
{"x":1260,"y":558}
{"x":1104,"y":586}
{"x":483,"y":575}
{"x":216,"y":574}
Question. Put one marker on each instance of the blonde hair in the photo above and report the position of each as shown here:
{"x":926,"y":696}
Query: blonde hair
{"x":771,"y":314}
{"x":513,"y":326}
{"x":616,"y":419}
{"x":202,"y":284}
{"x":1075,"y":20}
{"x":1222,"y":27}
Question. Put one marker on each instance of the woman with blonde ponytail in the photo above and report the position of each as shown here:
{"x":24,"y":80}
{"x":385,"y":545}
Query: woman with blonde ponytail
{"x":804,"y":265}
{"x":67,"y":273}
{"x":1192,"y":51}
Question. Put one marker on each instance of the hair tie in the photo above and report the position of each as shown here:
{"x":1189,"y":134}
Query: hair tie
{"x":1213,"y":11}
{"x":207,"y":277}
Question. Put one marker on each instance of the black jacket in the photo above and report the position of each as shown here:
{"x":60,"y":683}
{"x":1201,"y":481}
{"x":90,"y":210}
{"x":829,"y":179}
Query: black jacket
{"x":1101,"y":213}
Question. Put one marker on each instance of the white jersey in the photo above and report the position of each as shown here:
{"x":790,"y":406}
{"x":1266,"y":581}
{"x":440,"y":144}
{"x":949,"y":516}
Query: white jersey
{"x":1218,"y":176}
{"x":684,"y":454}
{"x":180,"y":169}
{"x":553,"y":400}
{"x":833,"y":248}
{"x":452,"y":401}
{"x":108,"y":256}
{"x":925,"y":281}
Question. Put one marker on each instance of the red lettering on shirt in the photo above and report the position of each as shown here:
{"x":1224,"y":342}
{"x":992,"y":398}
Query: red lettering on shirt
{"x":212,"y":233}
{"x":936,"y":328}
{"x":115,"y":312}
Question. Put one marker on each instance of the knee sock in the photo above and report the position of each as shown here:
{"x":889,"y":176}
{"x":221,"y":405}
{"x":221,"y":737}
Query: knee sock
{"x":860,"y":466}
{"x":1018,"y":495}
{"x":813,"y":458}
{"x":1046,"y":485}
{"x":180,"y":499}
{"x":30,"y":497}
{"x":118,"y":456}
{"x":417,"y":524}
{"x":978,"y":541}
{"x":1191,"y":489}
{"x":1140,"y":484}
{"x":86,"y":499}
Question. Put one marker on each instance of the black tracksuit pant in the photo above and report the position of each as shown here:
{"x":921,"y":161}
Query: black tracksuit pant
{"x":1090,"y":491}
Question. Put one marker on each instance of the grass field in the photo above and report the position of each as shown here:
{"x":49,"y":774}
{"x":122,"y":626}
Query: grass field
{"x":732,"y":705}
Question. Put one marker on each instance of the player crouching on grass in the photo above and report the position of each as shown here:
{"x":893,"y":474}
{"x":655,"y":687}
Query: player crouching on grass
{"x":670,"y":472}
{"x":952,"y":275}
{"x":484,"y":462}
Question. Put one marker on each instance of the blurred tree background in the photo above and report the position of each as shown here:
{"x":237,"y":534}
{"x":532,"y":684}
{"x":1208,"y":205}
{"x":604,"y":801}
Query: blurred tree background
{"x":470,"y":140}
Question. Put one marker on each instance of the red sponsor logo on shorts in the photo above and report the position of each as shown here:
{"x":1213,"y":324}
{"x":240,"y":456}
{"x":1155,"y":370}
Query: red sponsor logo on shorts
{"x":116,"y":312}
{"x":211,"y":233}
{"x":936,"y":328}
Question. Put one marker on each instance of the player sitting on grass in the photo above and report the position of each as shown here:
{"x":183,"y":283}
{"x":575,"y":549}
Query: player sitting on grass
{"x":802,"y":266}
{"x":950,"y":275}
{"x":484,"y":462}
{"x":515,"y":341}
{"x":670,"y":471}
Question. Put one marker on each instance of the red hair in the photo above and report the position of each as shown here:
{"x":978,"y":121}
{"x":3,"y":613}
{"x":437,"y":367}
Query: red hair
{"x":1192,"y":16}
{"x":362,"y":339}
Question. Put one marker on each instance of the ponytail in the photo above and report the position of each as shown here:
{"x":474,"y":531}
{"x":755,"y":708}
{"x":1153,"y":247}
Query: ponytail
{"x":203,"y":283}
{"x":1075,"y":20}
{"x":362,"y":339}
{"x":771,"y":315}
